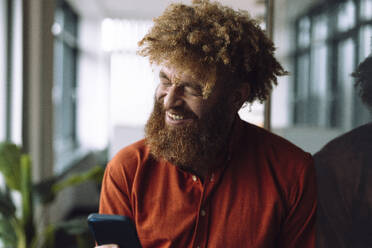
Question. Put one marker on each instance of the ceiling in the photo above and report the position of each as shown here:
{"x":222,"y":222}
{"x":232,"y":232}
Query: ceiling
{"x":147,"y":9}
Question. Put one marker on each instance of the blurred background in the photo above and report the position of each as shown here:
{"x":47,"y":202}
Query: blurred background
{"x":73,"y":91}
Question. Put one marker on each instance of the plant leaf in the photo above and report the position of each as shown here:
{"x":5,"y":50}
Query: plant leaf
{"x":42,"y":191}
{"x":27,"y":202}
{"x":94,"y":174}
{"x":77,"y":226}
{"x":7,"y":207}
{"x":46,"y":191}
{"x":10,"y":163}
{"x":7,"y":233}
{"x":49,"y":237}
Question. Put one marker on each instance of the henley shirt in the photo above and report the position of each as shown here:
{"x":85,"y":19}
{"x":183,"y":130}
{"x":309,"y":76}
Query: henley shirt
{"x":262,"y":196}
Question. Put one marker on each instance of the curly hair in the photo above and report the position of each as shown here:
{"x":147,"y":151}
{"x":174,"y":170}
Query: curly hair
{"x":215,"y":43}
{"x":363,"y":83}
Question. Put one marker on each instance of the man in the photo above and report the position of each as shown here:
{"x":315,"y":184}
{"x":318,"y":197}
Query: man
{"x":202,"y":177}
{"x":344,"y":173}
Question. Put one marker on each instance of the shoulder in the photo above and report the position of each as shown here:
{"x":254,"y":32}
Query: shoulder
{"x":274,"y":147}
{"x":279,"y":161}
{"x":349,"y":148}
{"x":129,"y":159}
{"x":348,"y":142}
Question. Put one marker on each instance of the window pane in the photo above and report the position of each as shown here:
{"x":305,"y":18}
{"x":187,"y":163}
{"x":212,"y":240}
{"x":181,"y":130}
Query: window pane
{"x":318,"y":104}
{"x":366,"y":9}
{"x":70,"y":20}
{"x":365,"y":46}
{"x":304,"y":32}
{"x":302,"y":83}
{"x":361,"y":113}
{"x":320,"y":28}
{"x":68,"y":95}
{"x":345,"y":89}
{"x":64,"y":86}
{"x":346,"y":16}
{"x":57,"y":88}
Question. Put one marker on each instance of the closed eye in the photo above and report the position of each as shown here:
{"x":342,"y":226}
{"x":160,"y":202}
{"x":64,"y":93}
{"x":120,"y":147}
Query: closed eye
{"x":192,"y":89}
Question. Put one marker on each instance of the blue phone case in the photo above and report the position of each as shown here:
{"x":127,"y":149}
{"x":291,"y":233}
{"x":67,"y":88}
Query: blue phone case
{"x":113,"y":229}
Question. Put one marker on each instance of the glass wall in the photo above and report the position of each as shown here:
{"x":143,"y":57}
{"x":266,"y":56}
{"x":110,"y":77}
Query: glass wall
{"x":65,"y":75}
{"x":330,"y":42}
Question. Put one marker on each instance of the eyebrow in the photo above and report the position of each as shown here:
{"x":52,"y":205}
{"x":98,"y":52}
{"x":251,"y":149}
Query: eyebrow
{"x":191,"y":85}
{"x":184,"y":84}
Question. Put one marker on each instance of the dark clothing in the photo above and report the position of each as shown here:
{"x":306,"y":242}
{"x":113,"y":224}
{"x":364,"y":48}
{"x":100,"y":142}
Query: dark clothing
{"x":263,"y":196}
{"x":344,"y":174}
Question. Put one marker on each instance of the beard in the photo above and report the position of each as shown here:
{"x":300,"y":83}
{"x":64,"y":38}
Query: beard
{"x":192,"y":145}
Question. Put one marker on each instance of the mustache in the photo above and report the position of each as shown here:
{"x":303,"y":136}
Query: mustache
{"x":179,"y":110}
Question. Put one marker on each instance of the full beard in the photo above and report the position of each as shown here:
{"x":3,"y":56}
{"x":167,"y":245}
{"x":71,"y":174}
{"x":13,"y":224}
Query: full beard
{"x":192,"y":145}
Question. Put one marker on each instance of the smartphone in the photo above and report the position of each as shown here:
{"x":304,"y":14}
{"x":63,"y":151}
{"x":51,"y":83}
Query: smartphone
{"x":113,"y":229}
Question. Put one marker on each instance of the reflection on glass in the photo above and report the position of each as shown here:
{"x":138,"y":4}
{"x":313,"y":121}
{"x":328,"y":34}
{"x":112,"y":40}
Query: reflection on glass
{"x":366,"y":9}
{"x":346,"y":16}
{"x":304,"y":32}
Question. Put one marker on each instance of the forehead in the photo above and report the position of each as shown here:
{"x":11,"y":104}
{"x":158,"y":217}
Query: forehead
{"x":178,"y":76}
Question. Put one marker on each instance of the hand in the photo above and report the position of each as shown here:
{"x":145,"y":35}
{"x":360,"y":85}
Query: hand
{"x":107,"y":246}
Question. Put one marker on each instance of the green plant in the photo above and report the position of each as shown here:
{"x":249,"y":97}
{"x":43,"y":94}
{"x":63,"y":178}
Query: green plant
{"x":19,"y":230}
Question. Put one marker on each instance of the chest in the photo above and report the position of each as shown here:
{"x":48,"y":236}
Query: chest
{"x":228,"y":209}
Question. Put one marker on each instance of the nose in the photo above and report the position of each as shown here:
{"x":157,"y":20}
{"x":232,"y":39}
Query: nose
{"x":172,"y":97}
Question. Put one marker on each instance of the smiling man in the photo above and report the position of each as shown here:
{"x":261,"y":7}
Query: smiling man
{"x":202,"y":177}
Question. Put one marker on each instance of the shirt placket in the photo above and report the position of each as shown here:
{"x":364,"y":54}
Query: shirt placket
{"x":202,"y":221}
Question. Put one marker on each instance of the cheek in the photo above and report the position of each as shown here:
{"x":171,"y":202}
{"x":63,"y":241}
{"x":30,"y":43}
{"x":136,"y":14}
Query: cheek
{"x":159,"y":93}
{"x":200,"y":109}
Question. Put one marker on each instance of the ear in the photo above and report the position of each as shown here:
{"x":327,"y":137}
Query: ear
{"x":240,"y":95}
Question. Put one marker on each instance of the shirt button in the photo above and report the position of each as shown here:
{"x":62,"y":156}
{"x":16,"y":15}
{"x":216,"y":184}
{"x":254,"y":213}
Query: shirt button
{"x":194,"y":178}
{"x":203,"y":213}
{"x":212,"y":178}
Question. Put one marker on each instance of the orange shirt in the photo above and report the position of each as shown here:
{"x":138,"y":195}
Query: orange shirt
{"x":264,"y":196}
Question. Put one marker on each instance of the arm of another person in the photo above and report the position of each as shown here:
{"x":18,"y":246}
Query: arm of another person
{"x":298,"y":229}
